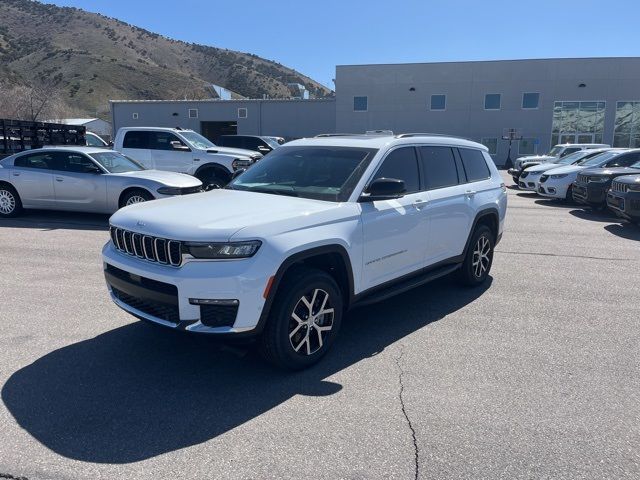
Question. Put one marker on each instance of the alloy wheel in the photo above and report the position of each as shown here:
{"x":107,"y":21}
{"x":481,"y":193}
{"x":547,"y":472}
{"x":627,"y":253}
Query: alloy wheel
{"x":135,"y":199}
{"x":7,"y":202}
{"x":310,"y":322}
{"x":481,"y":256}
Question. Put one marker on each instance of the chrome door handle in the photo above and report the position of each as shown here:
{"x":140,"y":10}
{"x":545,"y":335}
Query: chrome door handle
{"x":196,"y":159}
{"x":419,"y":203}
{"x":59,"y":179}
{"x":470,"y":193}
{"x":16,"y":174}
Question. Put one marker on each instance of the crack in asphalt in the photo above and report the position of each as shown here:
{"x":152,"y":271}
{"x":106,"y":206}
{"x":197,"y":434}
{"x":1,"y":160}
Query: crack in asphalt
{"x":586,"y":257}
{"x":416,"y":450}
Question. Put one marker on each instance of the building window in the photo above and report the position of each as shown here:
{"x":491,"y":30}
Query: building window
{"x":626,"y":133}
{"x":527,"y":146}
{"x":492,"y":101}
{"x":530,"y":100}
{"x":193,"y":113}
{"x":438,"y":102}
{"x":491,"y":144}
{"x":242,"y":113}
{"x":360,"y":104}
{"x":134,"y":116}
{"x":577,"y":122}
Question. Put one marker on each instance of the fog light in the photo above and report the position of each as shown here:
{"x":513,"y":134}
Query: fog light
{"x":213,"y":301}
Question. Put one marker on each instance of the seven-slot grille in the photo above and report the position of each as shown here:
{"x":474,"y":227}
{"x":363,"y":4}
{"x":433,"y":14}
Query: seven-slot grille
{"x":153,"y":249}
{"x":619,"y":187}
{"x":583,"y":178}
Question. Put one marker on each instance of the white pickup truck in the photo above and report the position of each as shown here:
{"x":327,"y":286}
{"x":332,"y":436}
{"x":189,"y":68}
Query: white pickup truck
{"x":184,"y":151}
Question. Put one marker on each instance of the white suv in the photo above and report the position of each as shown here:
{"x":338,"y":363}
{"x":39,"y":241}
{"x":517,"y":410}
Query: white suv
{"x":184,"y":151}
{"x":317,"y":227}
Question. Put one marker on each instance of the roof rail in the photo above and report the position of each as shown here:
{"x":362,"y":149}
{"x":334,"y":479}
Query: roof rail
{"x":379,"y":132}
{"x":323,"y":135}
{"x":409,"y":135}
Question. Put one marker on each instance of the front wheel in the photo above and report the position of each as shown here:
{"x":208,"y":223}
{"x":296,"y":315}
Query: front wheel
{"x":569,"y":196}
{"x":135,"y":196}
{"x":10,"y":204}
{"x":479,"y":258}
{"x":304,"y":320}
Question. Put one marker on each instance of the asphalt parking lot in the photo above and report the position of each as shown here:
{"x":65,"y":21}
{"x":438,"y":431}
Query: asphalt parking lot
{"x":535,"y":376}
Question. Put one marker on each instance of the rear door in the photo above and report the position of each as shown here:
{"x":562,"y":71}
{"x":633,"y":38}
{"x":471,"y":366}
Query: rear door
{"x":135,"y":144}
{"x":448,"y":209}
{"x":395,"y":231}
{"x":79,"y":184}
{"x":32,"y":176}
{"x":165,"y":156}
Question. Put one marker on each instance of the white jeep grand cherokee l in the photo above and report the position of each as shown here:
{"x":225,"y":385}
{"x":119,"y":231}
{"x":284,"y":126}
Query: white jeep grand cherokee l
{"x":317,"y":227}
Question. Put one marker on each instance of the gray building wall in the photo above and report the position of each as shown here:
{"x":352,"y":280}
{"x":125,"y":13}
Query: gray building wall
{"x":392,"y":105}
{"x":285,"y":118}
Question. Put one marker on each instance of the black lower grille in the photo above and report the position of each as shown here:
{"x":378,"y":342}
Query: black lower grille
{"x":635,"y":204}
{"x":163,"y":311}
{"x":218,"y":315}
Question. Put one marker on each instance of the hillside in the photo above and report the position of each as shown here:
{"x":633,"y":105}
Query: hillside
{"x":92,"y":58}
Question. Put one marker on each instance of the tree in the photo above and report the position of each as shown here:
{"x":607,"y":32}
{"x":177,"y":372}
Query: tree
{"x":40,"y":99}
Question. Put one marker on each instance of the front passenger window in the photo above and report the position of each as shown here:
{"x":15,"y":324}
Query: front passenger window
{"x":401,"y":164}
{"x":162,"y":141}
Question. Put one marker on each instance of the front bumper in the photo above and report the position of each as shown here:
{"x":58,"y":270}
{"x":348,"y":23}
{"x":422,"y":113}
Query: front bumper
{"x":529,"y":182}
{"x":589,"y":194}
{"x":626,"y":205}
{"x":168,"y":295}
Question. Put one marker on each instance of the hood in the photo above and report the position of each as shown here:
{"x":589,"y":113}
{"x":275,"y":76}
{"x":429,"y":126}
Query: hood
{"x":170,"y":179}
{"x":610,"y":172}
{"x":568,"y":169}
{"x":239,"y":152}
{"x":542,"y":167}
{"x":218,"y":215}
{"x":535,"y":158}
{"x":629,"y":179}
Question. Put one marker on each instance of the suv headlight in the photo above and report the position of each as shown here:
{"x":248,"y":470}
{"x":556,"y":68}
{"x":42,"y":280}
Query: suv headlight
{"x":241,"y":163}
{"x":559,"y":175}
{"x":223,"y":250}
{"x":635,"y":187}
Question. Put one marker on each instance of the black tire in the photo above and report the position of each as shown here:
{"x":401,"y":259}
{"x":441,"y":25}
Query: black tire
{"x":569,"y":196}
{"x":470,"y":273}
{"x":213,"y":178}
{"x":276,"y":342}
{"x":135,"y":196}
{"x":10,"y":203}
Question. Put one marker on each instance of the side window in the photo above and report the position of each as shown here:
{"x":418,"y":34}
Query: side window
{"x":569,"y":151}
{"x":475,"y":166}
{"x":93,"y":141}
{"x":252,"y":143}
{"x":439,"y":166}
{"x":623,"y":160}
{"x":42,"y":161}
{"x":162,"y":140}
{"x":232,"y":141}
{"x":136,"y":139}
{"x":401,"y":164}
{"x":74,"y":162}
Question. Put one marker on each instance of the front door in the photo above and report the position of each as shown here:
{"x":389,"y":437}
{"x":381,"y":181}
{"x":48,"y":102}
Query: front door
{"x":395,"y":231}
{"x":169,"y":152}
{"x":79,"y":184}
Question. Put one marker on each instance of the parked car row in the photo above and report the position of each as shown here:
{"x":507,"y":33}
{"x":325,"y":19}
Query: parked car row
{"x":145,"y":164}
{"x":600,"y":178}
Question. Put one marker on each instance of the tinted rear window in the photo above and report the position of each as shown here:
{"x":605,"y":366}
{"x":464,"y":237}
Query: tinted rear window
{"x":439,"y":166}
{"x":136,"y":139}
{"x":475,"y":165}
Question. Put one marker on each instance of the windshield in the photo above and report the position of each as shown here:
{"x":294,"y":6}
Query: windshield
{"x":555,"y":151}
{"x":115,"y":162}
{"x":197,"y":140}
{"x":272,"y":143}
{"x":574,"y":157}
{"x":599,"y":159}
{"x":321,"y":173}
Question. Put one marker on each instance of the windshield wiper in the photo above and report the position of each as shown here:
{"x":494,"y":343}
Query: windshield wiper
{"x":275,"y":191}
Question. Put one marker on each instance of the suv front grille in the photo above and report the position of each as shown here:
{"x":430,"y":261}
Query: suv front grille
{"x":583,"y":178}
{"x":153,"y":249}
{"x":619,"y":187}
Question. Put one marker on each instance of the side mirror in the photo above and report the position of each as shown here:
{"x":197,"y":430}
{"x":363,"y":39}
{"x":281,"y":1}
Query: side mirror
{"x":262,"y":148}
{"x":178,"y":146}
{"x":237,"y":173}
{"x":384,"y":189}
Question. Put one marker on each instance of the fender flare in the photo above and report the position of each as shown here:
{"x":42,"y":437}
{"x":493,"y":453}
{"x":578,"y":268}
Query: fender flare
{"x":214,"y":166}
{"x":491,"y":212}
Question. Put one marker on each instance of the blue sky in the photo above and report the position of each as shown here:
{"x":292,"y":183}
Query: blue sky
{"x":315,"y":36}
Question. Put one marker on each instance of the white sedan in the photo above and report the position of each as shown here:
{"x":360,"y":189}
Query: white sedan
{"x":83,"y":179}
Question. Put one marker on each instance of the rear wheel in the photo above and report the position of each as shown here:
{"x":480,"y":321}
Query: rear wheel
{"x":479,"y":258}
{"x":304,"y":320}
{"x":10,"y":204}
{"x":135,"y":196}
